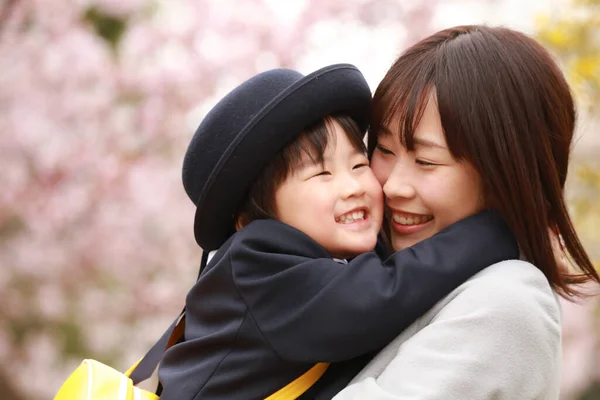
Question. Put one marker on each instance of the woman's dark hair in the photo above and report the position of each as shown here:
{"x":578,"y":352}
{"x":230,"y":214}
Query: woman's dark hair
{"x":506,"y":108}
{"x":260,"y":200}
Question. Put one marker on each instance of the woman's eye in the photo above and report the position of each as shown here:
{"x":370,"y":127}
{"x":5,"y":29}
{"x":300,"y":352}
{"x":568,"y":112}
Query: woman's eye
{"x":425,"y":163}
{"x":357,"y":166}
{"x":383,"y":149}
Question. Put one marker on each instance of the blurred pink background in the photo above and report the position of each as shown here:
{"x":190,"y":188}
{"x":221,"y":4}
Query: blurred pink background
{"x":98,"y":100}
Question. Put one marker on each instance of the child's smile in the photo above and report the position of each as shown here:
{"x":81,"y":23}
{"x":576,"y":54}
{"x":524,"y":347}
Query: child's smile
{"x":355,"y":215}
{"x":339,"y":204}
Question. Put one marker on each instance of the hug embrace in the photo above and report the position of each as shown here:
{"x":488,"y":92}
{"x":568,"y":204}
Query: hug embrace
{"x":426,"y":264}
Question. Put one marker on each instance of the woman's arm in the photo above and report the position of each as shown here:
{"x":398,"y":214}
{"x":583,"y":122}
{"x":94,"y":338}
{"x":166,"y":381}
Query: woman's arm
{"x":497,"y":337}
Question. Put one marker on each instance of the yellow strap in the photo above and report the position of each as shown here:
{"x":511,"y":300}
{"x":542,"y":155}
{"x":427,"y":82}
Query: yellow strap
{"x":297,"y":387}
{"x":292,"y":390}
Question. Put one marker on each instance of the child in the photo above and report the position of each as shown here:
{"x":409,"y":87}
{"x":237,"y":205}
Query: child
{"x":281,"y":159}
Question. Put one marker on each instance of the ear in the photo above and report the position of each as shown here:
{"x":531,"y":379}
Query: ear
{"x":241,"y":222}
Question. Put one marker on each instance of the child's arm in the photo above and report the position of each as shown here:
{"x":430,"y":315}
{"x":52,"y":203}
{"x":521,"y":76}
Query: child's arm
{"x":311,"y":308}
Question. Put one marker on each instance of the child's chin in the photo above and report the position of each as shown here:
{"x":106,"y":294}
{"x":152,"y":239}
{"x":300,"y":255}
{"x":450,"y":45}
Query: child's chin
{"x":353,"y":251}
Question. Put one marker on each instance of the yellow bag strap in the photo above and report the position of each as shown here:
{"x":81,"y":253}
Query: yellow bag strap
{"x":298,"y":386}
{"x":292,"y":390}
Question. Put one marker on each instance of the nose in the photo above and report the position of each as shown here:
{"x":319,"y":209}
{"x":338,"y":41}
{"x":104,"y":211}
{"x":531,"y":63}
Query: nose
{"x":398,"y":183}
{"x":350,"y":186}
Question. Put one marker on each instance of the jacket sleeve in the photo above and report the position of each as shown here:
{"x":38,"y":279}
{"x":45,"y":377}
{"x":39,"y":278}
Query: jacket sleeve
{"x":499,"y":338}
{"x":315,"y":309}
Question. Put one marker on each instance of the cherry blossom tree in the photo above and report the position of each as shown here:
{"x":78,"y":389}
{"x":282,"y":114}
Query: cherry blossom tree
{"x":99,"y":99}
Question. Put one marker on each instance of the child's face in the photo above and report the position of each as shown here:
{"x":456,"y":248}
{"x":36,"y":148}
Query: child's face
{"x":338,"y":204}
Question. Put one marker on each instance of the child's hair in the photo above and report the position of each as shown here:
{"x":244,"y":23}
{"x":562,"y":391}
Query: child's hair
{"x":259,"y":203}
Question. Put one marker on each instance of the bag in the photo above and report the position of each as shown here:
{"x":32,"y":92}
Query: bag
{"x":93,"y":380}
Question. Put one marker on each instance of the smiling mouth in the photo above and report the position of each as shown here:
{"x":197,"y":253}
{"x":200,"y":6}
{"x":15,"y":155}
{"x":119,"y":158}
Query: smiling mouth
{"x":350,"y":217}
{"x":411,"y":219}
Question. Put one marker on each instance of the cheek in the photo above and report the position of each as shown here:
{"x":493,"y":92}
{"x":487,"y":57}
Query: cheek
{"x":453,"y":198}
{"x":320,"y":196}
{"x":471,"y":191}
{"x":280,"y":204}
{"x":288,"y":201}
{"x":373,"y":189}
{"x":381,"y":168}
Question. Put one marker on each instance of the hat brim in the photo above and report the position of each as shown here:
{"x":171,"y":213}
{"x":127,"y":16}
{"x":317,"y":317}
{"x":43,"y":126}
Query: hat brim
{"x":335,"y":89}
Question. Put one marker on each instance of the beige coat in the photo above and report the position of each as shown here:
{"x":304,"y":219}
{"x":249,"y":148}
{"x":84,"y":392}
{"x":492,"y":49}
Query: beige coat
{"x":497,"y":336}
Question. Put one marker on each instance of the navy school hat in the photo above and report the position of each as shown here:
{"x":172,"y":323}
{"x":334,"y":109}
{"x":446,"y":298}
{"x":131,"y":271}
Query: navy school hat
{"x":245,"y":130}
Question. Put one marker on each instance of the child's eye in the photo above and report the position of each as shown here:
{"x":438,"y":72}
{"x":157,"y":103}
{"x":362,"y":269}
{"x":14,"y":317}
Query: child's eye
{"x":383,"y":149}
{"x":323,"y":173}
{"x":357,"y":166}
{"x":425,"y":163}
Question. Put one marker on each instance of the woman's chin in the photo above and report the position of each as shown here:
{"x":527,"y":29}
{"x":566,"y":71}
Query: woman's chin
{"x":401,"y":242}
{"x":403,"y":236}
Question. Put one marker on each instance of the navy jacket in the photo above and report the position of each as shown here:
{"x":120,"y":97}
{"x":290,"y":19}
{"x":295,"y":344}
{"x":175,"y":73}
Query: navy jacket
{"x":272,"y":303}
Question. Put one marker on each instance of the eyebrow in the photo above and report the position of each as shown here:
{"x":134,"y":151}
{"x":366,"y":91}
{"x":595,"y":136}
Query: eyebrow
{"x":428,"y":143}
{"x":384,"y":131}
{"x":302,"y":165}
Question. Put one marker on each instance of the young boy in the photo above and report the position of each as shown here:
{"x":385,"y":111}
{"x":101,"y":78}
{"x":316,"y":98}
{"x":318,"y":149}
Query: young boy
{"x":279,"y":173}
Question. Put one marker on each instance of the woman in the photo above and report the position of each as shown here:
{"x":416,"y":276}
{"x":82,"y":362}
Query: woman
{"x":469,"y":118}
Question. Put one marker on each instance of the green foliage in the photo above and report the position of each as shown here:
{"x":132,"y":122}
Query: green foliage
{"x":584,"y":192}
{"x":109,"y":27}
{"x":72,"y":340}
{"x":588,"y":190}
{"x":573,"y":36}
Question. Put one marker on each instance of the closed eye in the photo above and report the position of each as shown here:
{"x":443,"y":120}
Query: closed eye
{"x":383,"y":149}
{"x":323,"y":173}
{"x":425,"y":163}
{"x":357,"y":166}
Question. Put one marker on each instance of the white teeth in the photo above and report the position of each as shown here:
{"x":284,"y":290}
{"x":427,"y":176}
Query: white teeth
{"x":399,"y":219}
{"x":414,"y":220}
{"x":352,"y":217}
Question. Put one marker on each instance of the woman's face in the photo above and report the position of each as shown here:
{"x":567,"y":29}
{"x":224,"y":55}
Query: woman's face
{"x":426,"y":189}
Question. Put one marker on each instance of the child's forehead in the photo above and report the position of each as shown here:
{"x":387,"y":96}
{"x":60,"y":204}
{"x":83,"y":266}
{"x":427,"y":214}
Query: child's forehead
{"x":310,"y":156}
